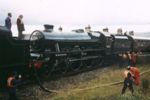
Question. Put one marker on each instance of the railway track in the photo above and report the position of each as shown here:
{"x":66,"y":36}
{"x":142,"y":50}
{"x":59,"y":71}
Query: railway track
{"x":56,"y":75}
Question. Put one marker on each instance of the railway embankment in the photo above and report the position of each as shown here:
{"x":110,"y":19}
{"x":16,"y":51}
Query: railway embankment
{"x":103,"y":83}
{"x":97,"y":84}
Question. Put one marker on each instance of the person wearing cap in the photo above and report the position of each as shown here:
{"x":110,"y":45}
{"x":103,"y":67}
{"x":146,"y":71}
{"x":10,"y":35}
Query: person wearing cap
{"x":8,"y":23}
{"x":20,"y":26}
{"x":128,"y":81}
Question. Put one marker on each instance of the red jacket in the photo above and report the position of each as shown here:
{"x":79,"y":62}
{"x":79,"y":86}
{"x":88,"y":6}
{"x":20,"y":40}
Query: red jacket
{"x":135,"y":71}
{"x":10,"y":82}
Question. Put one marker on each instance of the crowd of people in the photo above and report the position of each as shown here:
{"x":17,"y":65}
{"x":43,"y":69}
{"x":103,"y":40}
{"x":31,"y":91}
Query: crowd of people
{"x":19,"y":23}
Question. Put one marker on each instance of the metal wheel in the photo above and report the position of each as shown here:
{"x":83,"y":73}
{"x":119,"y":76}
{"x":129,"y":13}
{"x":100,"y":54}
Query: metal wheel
{"x":73,"y":65}
{"x":97,"y":62}
{"x":64,"y":67}
{"x":92,"y":62}
{"x":87,"y":63}
{"x":48,"y":71}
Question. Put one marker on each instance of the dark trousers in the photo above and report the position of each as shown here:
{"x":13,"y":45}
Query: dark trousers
{"x":20,"y":35}
{"x":133,"y":64}
{"x":128,"y":83}
{"x":12,"y":94}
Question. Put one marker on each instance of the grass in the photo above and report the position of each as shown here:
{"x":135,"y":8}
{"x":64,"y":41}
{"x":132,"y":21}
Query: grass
{"x":94,"y":89}
{"x":92,"y":85}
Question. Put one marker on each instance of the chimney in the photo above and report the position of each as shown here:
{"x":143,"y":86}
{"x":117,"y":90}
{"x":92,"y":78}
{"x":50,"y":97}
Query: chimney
{"x":48,"y":28}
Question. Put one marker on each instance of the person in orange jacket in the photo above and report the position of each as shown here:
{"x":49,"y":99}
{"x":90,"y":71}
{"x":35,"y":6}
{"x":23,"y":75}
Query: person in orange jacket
{"x":11,"y":85}
{"x":128,"y":81}
{"x":136,"y":72}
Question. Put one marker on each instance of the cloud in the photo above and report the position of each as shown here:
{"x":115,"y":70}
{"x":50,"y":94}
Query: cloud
{"x":77,"y":11}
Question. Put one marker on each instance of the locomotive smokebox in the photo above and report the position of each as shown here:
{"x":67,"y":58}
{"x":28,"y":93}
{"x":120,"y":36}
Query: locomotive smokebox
{"x":48,"y":28}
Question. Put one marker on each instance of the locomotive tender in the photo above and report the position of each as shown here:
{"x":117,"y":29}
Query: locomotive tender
{"x":59,"y":51}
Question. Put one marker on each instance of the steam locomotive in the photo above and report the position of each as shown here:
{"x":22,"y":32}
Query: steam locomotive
{"x":48,"y":51}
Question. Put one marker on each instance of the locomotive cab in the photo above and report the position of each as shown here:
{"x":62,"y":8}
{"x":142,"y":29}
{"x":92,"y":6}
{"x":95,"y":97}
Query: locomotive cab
{"x":14,"y":55}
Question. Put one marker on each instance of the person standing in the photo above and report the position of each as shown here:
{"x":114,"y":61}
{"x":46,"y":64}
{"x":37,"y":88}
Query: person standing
{"x":128,"y":81}
{"x":8,"y":23}
{"x":133,"y":59}
{"x":136,"y":73}
{"x":20,"y":26}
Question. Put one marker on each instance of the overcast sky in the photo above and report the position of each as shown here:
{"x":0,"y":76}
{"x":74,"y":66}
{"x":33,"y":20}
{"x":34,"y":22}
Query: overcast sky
{"x":99,"y":12}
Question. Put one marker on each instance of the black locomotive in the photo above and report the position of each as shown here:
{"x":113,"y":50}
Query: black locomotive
{"x":49,"y":51}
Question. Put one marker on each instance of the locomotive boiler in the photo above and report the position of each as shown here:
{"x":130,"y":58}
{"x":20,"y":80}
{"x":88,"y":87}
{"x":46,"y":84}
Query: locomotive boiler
{"x":67,"y":51}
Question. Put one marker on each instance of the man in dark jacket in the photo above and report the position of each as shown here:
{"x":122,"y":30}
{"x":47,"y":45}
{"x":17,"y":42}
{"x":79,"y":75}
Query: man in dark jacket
{"x":8,"y":23}
{"x":20,"y":26}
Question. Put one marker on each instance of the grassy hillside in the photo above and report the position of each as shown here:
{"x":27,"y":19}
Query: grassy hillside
{"x":97,"y":88}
